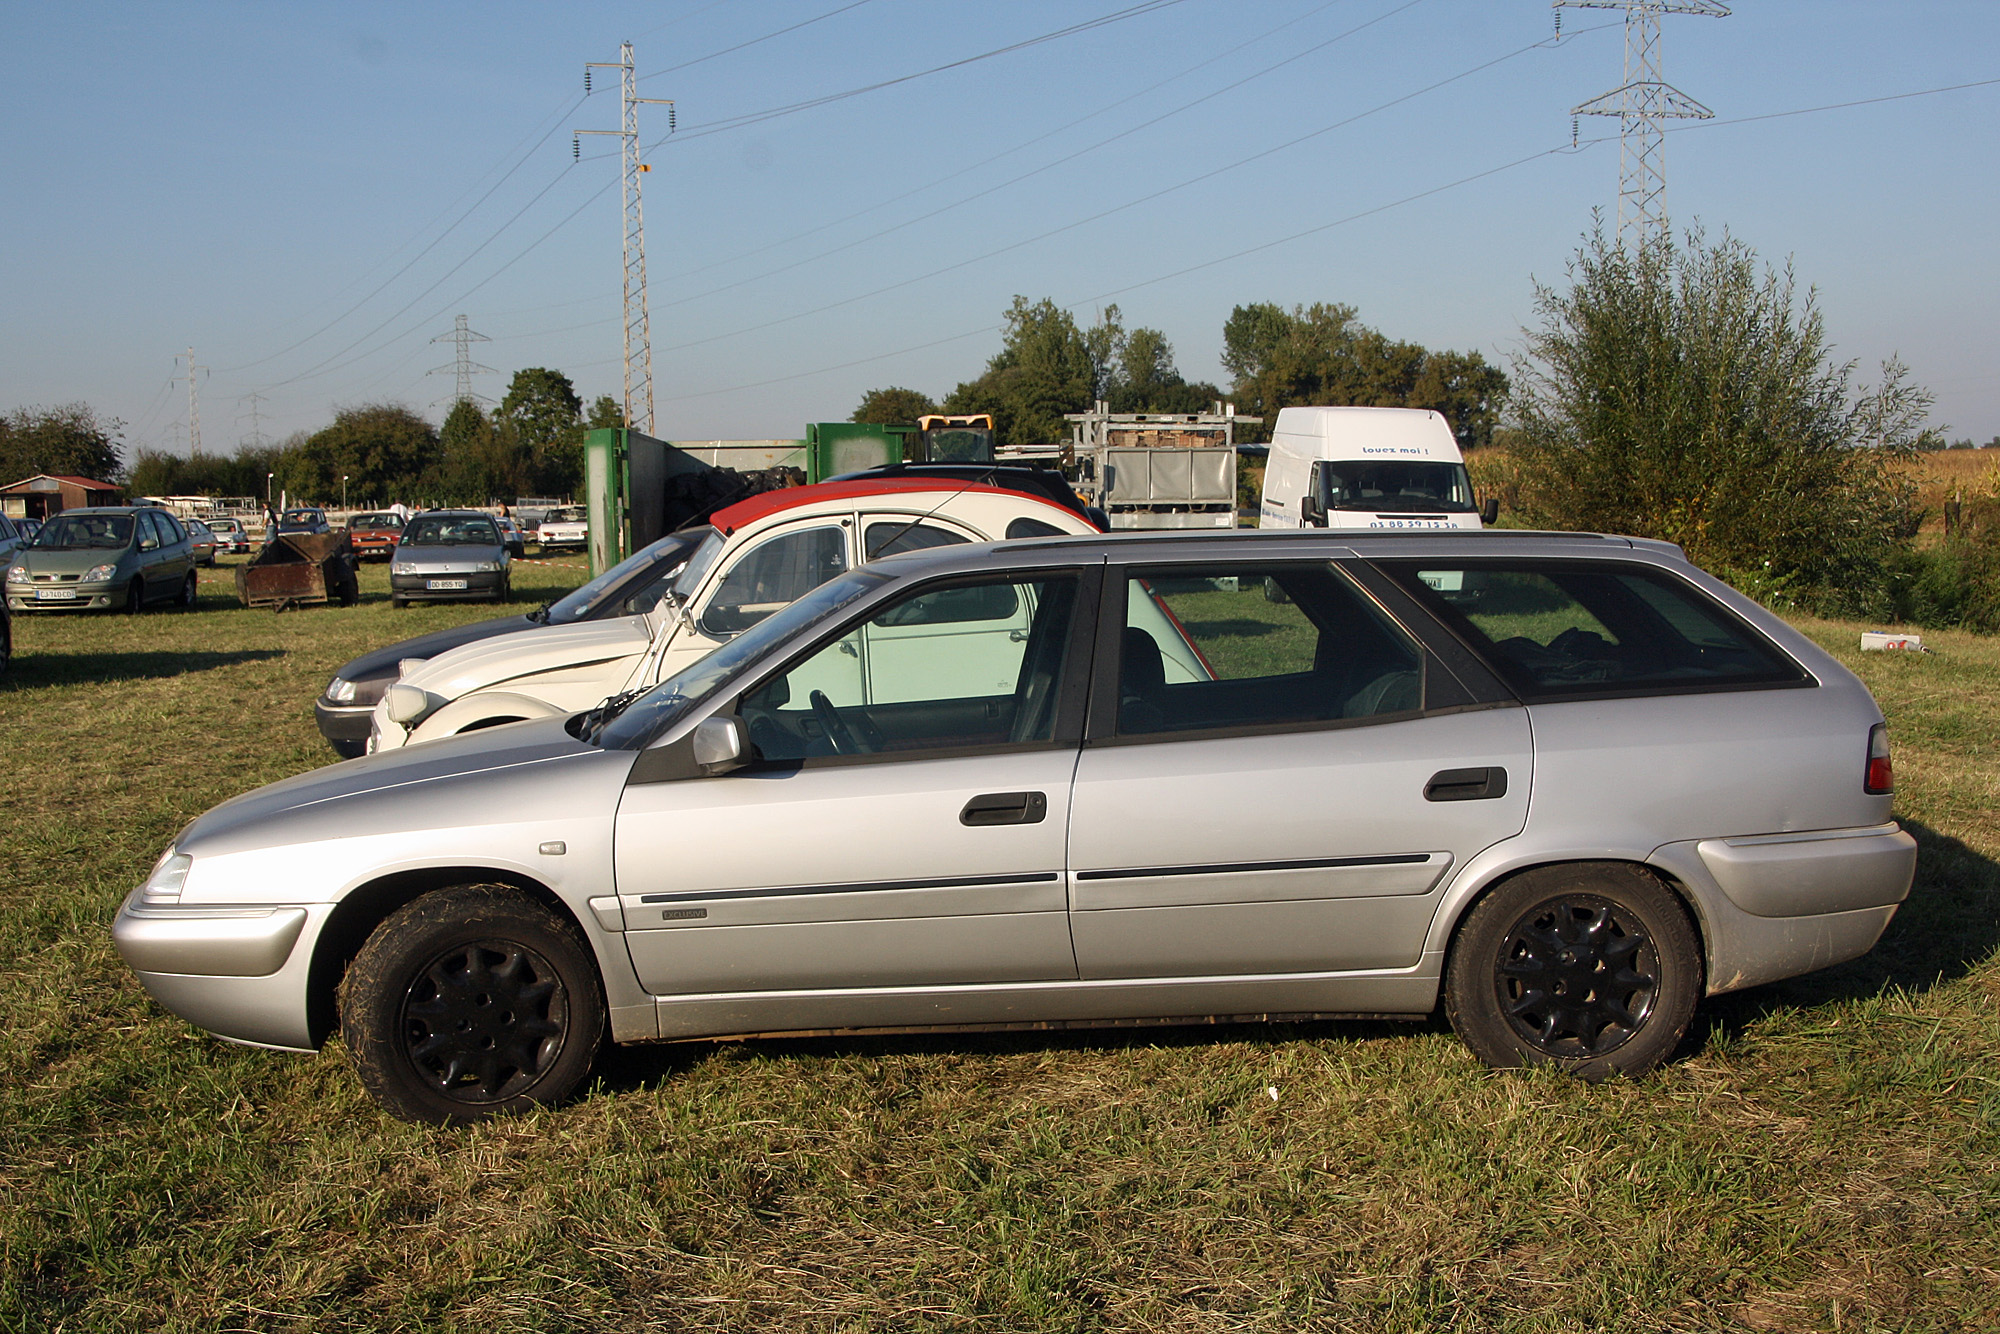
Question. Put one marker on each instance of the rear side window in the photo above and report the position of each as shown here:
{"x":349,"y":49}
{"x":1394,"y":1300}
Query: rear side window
{"x":1577,"y":629}
{"x":887,"y":537}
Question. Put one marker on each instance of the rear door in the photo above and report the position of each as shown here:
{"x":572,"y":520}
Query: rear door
{"x":1299,"y":805}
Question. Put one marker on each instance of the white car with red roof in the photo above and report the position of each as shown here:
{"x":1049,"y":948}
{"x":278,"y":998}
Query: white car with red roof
{"x":760,"y":554}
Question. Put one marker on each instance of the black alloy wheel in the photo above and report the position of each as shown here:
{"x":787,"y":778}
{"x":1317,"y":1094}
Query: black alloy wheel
{"x":1594,"y":967}
{"x":471,"y":1002}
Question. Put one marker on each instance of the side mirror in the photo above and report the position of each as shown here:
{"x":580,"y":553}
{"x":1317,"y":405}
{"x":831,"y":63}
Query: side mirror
{"x":721,"y":744}
{"x":1489,"y":511}
{"x":1312,"y":511}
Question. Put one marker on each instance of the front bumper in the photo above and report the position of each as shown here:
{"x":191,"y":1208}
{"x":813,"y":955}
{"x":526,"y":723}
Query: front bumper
{"x":82,"y":597}
{"x":345,"y":726}
{"x":240,"y":973}
{"x":417,"y":587}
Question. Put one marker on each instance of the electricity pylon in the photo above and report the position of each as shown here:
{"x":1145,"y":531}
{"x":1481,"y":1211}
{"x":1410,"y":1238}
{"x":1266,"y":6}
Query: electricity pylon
{"x":463,"y":366}
{"x":638,"y":327}
{"x":1641,"y":103}
{"x":194,"y":405}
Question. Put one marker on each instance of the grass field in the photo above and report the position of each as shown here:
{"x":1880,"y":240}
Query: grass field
{"x":1822,"y":1158}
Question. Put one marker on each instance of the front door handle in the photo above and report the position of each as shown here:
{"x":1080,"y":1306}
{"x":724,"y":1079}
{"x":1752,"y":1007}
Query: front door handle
{"x":1466,"y":785}
{"x":1005,"y":808}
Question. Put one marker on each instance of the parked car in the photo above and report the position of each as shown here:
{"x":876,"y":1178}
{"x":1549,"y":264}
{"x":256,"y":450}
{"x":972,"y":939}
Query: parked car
{"x":375,"y":534}
{"x":28,"y":528}
{"x":13,"y":536}
{"x":629,"y":588}
{"x":567,"y":526}
{"x":6,"y":637}
{"x":758,"y":555}
{"x":449,"y":555}
{"x":231,"y":537}
{"x":1047,"y":483}
{"x":305,"y":519}
{"x":202,"y":538}
{"x":511,"y":535}
{"x":871,"y":810}
{"x":106,"y":557}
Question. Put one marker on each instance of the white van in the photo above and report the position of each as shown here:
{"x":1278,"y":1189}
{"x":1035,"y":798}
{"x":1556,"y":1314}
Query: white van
{"x":1366,"y":468}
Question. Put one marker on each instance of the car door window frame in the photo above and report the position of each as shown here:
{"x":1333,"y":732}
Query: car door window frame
{"x":665,"y":762}
{"x":704,"y":601}
{"x":1442,"y":690}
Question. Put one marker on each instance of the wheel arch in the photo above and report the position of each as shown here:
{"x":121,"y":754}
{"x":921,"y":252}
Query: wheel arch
{"x":368,"y":905}
{"x":470,"y":712}
{"x":1466,"y":895}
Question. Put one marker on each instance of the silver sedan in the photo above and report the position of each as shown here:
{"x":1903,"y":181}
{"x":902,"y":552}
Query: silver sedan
{"x":1561,"y":785}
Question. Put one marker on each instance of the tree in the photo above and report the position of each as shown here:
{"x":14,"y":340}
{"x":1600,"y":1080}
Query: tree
{"x":1322,"y":354}
{"x":385,"y":451}
{"x":893,"y":407}
{"x":1044,"y":368}
{"x":1675,"y":392}
{"x":71,"y":439}
{"x":479,"y":463}
{"x":546,"y":416}
{"x":1143,"y":378}
{"x":605,"y":412}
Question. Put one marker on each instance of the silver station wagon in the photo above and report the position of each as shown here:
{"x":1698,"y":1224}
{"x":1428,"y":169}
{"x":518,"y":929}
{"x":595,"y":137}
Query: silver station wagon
{"x":1563,"y":785}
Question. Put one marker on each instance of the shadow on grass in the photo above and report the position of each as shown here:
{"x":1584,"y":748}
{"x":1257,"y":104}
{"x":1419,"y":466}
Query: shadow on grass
{"x":1948,"y":926}
{"x":51,"y":669}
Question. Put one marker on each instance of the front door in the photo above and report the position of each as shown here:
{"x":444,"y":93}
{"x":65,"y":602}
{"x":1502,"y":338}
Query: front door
{"x":1295,"y":807}
{"x":902,"y":831}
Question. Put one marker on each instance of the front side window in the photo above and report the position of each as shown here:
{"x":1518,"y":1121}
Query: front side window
{"x":966,"y":665}
{"x":1231,"y":647}
{"x":1566,"y":628}
{"x":772,"y":574}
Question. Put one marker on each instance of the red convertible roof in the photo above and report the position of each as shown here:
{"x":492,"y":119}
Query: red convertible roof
{"x":745,"y":512}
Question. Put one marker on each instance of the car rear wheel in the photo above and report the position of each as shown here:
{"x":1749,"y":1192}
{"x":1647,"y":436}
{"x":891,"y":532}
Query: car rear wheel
{"x":471,"y":1002}
{"x":190,"y":592}
{"x":1592,"y":966}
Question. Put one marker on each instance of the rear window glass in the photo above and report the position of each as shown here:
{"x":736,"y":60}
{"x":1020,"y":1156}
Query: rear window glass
{"x":1556,"y":629}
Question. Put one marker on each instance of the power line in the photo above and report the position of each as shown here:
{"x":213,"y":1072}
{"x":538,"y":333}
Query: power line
{"x":731,"y":50}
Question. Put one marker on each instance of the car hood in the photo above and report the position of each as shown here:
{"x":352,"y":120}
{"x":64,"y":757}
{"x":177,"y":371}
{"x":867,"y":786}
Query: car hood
{"x":70,"y":560}
{"x":545,"y":648}
{"x":382,"y":662}
{"x":430,"y":786}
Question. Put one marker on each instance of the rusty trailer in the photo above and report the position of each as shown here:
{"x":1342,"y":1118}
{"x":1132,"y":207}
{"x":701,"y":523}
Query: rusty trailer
{"x":298,"y":569}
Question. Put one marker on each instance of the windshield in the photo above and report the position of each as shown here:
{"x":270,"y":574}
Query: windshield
{"x":661,"y":559}
{"x":375,"y":521}
{"x":456,"y":531}
{"x":695,"y":682}
{"x":303,"y":516}
{"x":78,"y":532}
{"x":1395,"y":486}
{"x":699,"y":564}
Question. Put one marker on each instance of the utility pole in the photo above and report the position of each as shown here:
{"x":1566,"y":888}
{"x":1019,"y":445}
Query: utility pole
{"x":463,"y":366}
{"x":1640,"y":104}
{"x":638,"y":327}
{"x":257,"y":438}
{"x":194,"y":405}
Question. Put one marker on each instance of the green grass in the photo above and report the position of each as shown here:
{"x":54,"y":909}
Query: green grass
{"x":1823,"y":1157}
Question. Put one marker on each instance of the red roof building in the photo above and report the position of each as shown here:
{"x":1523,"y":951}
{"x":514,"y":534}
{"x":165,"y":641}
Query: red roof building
{"x":44,"y":494}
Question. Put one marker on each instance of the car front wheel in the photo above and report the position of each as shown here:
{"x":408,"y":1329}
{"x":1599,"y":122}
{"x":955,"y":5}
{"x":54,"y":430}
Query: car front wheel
{"x":1592,"y":966}
{"x":471,"y":1002}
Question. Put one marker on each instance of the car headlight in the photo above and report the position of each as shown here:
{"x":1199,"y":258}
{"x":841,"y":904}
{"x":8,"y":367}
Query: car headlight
{"x":170,"y":873}
{"x":340,"y":691}
{"x":486,"y":567}
{"x":407,"y":704}
{"x":97,"y":574}
{"x":402,"y":567}
{"x":17,"y":574}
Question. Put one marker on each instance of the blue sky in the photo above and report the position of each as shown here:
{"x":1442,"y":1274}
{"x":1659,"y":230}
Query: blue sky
{"x":309,"y":195}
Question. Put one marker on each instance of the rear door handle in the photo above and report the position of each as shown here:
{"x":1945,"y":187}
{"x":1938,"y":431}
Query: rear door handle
{"x":1466,"y":785}
{"x":1005,"y":808}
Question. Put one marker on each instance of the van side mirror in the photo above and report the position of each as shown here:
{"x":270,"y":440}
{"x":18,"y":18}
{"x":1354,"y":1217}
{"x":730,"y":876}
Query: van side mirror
{"x":1489,"y":511}
{"x":721,"y":744}
{"x":1312,"y":511}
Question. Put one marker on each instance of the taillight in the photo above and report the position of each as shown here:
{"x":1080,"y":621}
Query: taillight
{"x":1881,"y":777}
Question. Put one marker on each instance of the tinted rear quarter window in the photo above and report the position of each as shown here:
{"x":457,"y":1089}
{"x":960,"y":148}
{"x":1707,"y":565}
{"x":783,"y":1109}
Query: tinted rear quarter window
{"x":1565,"y":629}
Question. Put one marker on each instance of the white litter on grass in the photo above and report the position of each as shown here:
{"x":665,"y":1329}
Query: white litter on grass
{"x":1882,"y":641}
{"x":1272,"y":1091}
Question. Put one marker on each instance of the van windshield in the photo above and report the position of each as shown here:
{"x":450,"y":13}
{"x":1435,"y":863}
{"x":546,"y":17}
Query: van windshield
{"x":1385,"y":486}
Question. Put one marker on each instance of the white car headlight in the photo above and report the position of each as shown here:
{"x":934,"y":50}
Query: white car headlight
{"x":170,"y":873}
{"x":402,"y":567}
{"x":405,"y":703}
{"x":17,"y":574}
{"x":485,"y":567}
{"x":97,"y":574}
{"x":340,"y":691}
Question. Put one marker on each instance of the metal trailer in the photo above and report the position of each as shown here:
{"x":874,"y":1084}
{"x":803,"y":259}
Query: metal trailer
{"x":296,"y":569}
{"x":1158,"y":469}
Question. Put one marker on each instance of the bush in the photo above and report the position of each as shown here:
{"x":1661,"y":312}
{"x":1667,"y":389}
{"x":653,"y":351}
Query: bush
{"x":1955,"y":583}
{"x":1677,"y":393}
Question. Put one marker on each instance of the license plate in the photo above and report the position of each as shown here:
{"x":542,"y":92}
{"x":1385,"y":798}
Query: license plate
{"x":54,"y":595}
{"x":444,"y":585}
